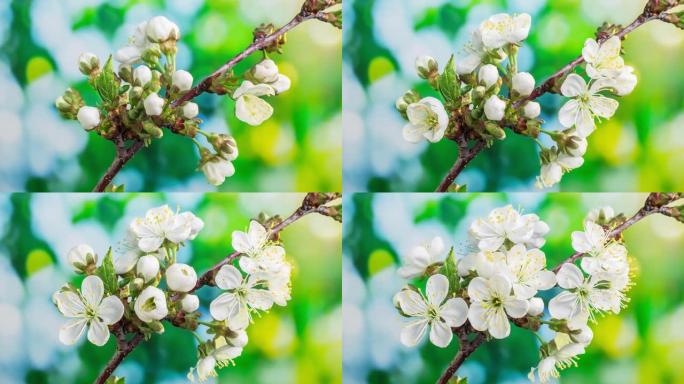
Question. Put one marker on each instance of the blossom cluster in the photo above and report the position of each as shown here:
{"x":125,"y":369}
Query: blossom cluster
{"x":143,"y":96}
{"x":499,"y":283}
{"x":483,"y":92}
{"x":144,"y":285}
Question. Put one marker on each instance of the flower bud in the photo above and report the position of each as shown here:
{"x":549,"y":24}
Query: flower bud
{"x":495,"y":130}
{"x":142,"y":75}
{"x":69,"y":104}
{"x":88,"y":63}
{"x":265,"y":72}
{"x":536,"y":306}
{"x":190,"y":110}
{"x":156,"y":326}
{"x":147,"y":267}
{"x":160,"y":29}
{"x":151,"y":129}
{"x":125,"y":73}
{"x":182,"y":80}
{"x":401,"y":105}
{"x":488,"y":75}
{"x":217,"y":169}
{"x":495,"y":108}
{"x":150,"y":305}
{"x":523,"y":83}
{"x":151,"y":54}
{"x":181,"y":277}
{"x":190,"y":303}
{"x":89,"y":117}
{"x":426,"y":67}
{"x":225,"y":146}
{"x":154,"y":105}
{"x":531,"y":110}
{"x":137,"y":285}
{"x":82,"y":258}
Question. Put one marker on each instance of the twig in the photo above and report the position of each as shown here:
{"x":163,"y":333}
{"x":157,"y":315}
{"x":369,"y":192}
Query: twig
{"x":123,"y":155}
{"x":464,"y":157}
{"x":123,"y":348}
{"x":466,"y":348}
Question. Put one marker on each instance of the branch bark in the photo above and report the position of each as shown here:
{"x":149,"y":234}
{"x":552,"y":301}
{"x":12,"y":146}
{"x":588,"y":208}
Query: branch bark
{"x":466,"y":348}
{"x":313,"y":203}
{"x":547,"y":86}
{"x":123,"y":155}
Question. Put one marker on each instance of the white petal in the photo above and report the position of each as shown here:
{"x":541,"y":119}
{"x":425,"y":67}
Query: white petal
{"x":563,"y":306}
{"x":111,"y":310}
{"x":226,"y":306}
{"x":412,"y":133}
{"x":411,"y":303}
{"x":516,"y":308}
{"x":590,"y":50}
{"x":436,"y":289}
{"x":72,"y":331}
{"x":569,"y":276}
{"x":491,"y":243}
{"x":585,"y":122}
{"x":478,"y":289}
{"x":440,"y":334}
{"x":567,"y":115}
{"x":603,"y":106}
{"x":252,"y":110}
{"x":259,"y":299}
{"x":573,"y":86}
{"x":476,"y":316}
{"x":92,"y":290}
{"x":499,"y":327}
{"x":150,"y":244}
{"x":98,"y":333}
{"x":228,"y":277}
{"x":454,"y":312}
{"x":436,"y":247}
{"x":413,"y":332}
{"x":500,"y":286}
{"x":240,"y":242}
{"x":69,"y":304}
{"x":545,"y":280}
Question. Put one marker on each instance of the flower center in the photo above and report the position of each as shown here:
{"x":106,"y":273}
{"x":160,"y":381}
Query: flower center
{"x":149,"y":305}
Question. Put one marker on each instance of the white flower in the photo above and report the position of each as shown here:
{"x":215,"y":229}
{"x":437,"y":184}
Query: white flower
{"x":419,"y":258}
{"x":531,"y":110}
{"x":266,"y":71}
{"x":431,"y":311}
{"x":491,"y":302}
{"x":494,"y":108}
{"x":89,"y":117}
{"x":502,"y":29}
{"x":82,"y":256}
{"x":581,"y":145}
{"x":258,"y":254}
{"x":224,"y":352}
{"x":427,"y":119}
{"x":151,"y":305}
{"x":128,"y":55}
{"x":281,"y":84}
{"x":217,"y":170}
{"x":181,"y":277}
{"x":561,"y":358}
{"x":87,"y":63}
{"x":488,"y":75}
{"x":190,"y":303}
{"x":154,"y":105}
{"x":195,"y":223}
{"x":475,"y":51}
{"x":523,"y":83}
{"x":138,"y":43}
{"x":249,"y":107}
{"x":242,"y":296}
{"x":205,"y":369}
{"x":182,"y":80}
{"x":591,"y":241}
{"x":507,"y":223}
{"x":620,"y":82}
{"x":279,"y":284}
{"x":605,"y":213}
{"x":611,"y":259}
{"x":190,"y":110}
{"x":536,"y":306}
{"x":88,"y":308}
{"x":484,"y":263}
{"x":584,"y":296}
{"x":602,"y":60}
{"x":160,"y":29}
{"x":585,"y":104}
{"x":552,"y":172}
{"x":142,"y":75}
{"x":147,"y":267}
{"x":126,"y":261}
{"x":158,"y":225}
{"x":525,"y":269}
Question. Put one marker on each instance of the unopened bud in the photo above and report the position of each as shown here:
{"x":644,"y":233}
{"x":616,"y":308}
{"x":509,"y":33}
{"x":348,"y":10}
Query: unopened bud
{"x":225,"y":146}
{"x":88,"y":63}
{"x":151,"y":129}
{"x":427,"y":67}
{"x":495,"y":130}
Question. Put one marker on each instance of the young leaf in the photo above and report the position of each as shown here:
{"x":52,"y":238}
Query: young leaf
{"x":450,"y":84}
{"x":451,"y":272}
{"x":106,"y":83}
{"x":107,"y":274}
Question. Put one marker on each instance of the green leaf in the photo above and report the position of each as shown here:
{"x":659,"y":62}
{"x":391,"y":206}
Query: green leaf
{"x":106,"y":83}
{"x":107,"y":274}
{"x":451,"y":272}
{"x":449,"y":84}
{"x":115,"y":380}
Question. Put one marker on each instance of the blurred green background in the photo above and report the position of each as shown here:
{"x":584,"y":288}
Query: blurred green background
{"x":300,"y":343}
{"x":382,"y":38}
{"x":644,"y":344}
{"x":298,"y":149}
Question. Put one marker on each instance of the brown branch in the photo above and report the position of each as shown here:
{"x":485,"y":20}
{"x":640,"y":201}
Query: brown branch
{"x":123,"y":348}
{"x":466,"y":348}
{"x":465,"y":156}
{"x":655,"y":203}
{"x":123,"y":154}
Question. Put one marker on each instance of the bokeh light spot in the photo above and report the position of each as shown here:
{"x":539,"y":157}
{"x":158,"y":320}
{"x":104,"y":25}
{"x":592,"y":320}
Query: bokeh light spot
{"x":378,"y":260}
{"x":36,"y":67}
{"x":36,"y":260}
{"x":379,"y":67}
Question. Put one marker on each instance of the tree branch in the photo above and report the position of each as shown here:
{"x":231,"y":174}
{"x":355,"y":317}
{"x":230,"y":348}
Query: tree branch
{"x":464,"y":157}
{"x":123,"y":348}
{"x":123,"y":155}
{"x":466,"y":348}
